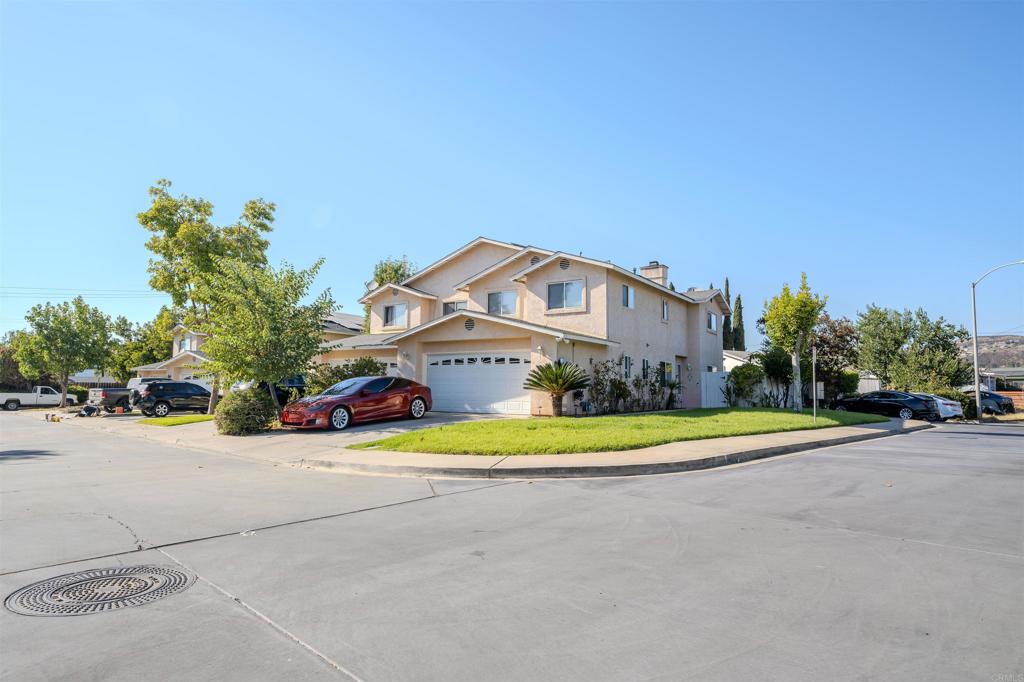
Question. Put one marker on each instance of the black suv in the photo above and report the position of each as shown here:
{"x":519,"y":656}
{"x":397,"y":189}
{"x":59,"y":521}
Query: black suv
{"x":891,"y":404}
{"x":160,"y":398}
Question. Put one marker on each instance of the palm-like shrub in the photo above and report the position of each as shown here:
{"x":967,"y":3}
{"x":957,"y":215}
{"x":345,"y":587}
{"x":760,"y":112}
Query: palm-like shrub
{"x":556,"y":379}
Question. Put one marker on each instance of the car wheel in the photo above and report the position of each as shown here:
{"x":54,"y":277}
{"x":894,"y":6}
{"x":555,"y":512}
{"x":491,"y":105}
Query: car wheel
{"x":906,"y":413}
{"x":340,"y":419}
{"x":161,"y":409}
{"x":11,"y":405}
{"x":417,"y":408}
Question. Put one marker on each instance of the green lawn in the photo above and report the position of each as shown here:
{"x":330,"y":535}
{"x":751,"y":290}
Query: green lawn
{"x":614,"y":432}
{"x":177,"y":420}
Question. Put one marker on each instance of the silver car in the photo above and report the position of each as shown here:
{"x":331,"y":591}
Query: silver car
{"x":948,"y":409}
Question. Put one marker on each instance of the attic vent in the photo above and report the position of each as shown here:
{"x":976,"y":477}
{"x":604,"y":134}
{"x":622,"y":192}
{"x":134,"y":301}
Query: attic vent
{"x":394,"y":292}
{"x":534,"y":260}
{"x":564,"y":263}
{"x":470,"y":324}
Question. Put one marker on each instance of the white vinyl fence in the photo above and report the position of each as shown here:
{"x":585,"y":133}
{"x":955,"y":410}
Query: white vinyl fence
{"x":711,"y":385}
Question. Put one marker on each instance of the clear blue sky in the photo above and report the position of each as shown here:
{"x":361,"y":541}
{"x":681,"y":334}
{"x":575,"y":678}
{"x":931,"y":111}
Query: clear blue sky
{"x":878,"y":146}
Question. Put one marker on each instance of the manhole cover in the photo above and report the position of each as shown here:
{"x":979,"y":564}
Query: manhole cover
{"x":99,"y":590}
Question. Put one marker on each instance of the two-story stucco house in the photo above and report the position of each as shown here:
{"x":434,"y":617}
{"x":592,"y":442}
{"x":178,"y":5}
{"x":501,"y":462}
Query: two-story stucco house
{"x":472,"y":324}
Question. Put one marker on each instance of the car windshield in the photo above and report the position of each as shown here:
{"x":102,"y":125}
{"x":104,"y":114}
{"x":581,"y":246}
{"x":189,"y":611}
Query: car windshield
{"x":346,"y":387}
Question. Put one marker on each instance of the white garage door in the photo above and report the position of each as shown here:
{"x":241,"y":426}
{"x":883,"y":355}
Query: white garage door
{"x":480,"y":382}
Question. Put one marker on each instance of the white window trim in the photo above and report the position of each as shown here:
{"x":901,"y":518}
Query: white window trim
{"x":630,"y":292}
{"x":566,"y":309}
{"x":384,"y":315}
{"x":455,"y":302}
{"x":513,"y":292}
{"x":707,"y":323}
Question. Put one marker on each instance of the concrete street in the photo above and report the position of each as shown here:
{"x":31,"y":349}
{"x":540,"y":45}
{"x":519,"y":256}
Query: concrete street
{"x":893,"y":559}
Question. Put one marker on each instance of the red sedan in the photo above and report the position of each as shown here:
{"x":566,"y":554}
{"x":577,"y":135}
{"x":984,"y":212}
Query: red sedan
{"x":356,"y":400}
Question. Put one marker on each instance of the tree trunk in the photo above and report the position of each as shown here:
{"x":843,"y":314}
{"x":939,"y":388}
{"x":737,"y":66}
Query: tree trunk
{"x":798,"y":394}
{"x":214,"y":395}
{"x":556,"y":405}
{"x":63,"y":390}
{"x":273,"y":399}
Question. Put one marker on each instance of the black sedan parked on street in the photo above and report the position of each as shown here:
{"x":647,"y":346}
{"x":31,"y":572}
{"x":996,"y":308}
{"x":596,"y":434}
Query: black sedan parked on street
{"x":890,"y":404}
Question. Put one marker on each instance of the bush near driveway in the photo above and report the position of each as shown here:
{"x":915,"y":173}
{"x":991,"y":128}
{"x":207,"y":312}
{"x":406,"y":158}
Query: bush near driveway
{"x":614,"y":432}
{"x":243,"y":412}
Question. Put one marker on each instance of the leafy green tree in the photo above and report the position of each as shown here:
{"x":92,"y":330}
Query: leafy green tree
{"x":259,"y":330}
{"x":743,"y":382}
{"x":187,"y":247}
{"x":141,"y":344}
{"x":63,"y":339}
{"x":556,"y":379}
{"x":387,"y":271}
{"x":739,"y":341}
{"x":789,"y":320}
{"x":837,"y":342}
{"x":910,"y":351}
{"x":322,"y":376}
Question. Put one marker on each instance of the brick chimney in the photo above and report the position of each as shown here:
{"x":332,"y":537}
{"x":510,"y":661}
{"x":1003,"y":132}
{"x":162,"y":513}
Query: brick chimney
{"x":656,"y":272}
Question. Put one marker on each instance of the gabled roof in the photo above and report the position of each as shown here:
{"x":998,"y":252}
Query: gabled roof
{"x":398,"y":287}
{"x":462,"y":249}
{"x":529,"y":326}
{"x":360,"y":341}
{"x":500,"y":264}
{"x":688,"y":296}
{"x":198,"y":355}
{"x":738,"y":355}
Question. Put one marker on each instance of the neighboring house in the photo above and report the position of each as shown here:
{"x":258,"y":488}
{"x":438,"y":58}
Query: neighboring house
{"x":472,"y":324}
{"x":93,"y":378}
{"x":185,"y":361}
{"x":186,"y":357}
{"x":732,"y":359}
{"x":339,"y":326}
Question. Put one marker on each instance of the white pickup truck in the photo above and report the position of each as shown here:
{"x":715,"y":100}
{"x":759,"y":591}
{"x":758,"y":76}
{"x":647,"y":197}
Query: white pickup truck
{"x":41,"y":396}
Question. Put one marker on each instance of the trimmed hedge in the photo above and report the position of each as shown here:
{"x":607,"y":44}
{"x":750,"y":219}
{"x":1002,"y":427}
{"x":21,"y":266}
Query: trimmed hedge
{"x":240,"y":413}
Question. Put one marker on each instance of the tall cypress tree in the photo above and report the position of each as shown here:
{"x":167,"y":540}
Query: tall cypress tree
{"x":727,"y":336}
{"x":738,"y":340}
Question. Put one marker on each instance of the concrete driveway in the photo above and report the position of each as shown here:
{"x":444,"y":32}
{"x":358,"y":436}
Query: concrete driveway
{"x":894,"y":559}
{"x":282,"y":446}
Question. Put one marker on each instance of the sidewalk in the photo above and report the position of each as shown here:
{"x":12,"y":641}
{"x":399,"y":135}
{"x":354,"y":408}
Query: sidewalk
{"x":328,"y":450}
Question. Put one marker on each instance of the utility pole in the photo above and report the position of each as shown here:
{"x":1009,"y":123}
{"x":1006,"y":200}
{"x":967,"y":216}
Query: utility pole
{"x":974,"y":333}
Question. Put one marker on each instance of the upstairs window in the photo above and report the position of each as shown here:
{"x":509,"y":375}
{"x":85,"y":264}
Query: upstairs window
{"x":565,"y":294}
{"x":628,"y":296}
{"x":451,"y":306}
{"x":394,"y":315}
{"x":712,"y":322}
{"x":501,"y":303}
{"x":664,"y":311}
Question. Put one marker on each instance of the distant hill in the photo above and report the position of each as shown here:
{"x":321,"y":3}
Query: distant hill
{"x":997,"y":351}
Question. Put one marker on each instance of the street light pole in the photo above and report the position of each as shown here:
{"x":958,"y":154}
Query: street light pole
{"x":974,"y":330}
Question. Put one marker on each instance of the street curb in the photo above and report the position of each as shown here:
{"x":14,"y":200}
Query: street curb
{"x":584,"y":471}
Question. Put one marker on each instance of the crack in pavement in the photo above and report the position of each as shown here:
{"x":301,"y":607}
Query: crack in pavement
{"x":142,"y":548}
{"x":324,"y":658}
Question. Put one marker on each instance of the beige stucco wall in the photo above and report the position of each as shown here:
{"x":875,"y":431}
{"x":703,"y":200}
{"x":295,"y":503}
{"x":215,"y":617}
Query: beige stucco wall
{"x":590,"y":319}
{"x":441,"y":281}
{"x":500,"y":280}
{"x":417,"y":312}
{"x":338,"y":357}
